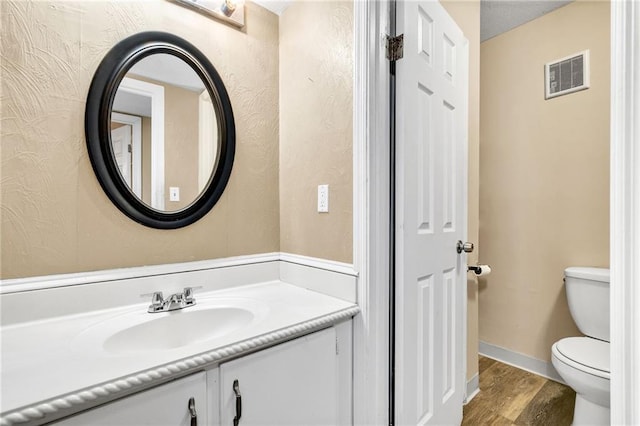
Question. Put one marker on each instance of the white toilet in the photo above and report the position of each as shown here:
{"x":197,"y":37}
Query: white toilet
{"x":583,"y":362}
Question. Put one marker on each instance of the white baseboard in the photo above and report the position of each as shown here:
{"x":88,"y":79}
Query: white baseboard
{"x":473,"y":388}
{"x":521,"y":361}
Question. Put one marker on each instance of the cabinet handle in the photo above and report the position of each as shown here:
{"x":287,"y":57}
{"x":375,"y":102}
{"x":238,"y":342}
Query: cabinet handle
{"x":236,"y":390}
{"x":192,"y":411}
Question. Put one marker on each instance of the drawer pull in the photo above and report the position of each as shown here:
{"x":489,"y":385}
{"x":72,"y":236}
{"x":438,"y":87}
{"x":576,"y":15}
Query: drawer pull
{"x":192,"y":412}
{"x":236,"y":390}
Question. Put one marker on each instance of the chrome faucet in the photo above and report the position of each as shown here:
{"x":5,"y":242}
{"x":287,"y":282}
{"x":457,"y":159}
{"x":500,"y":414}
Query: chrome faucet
{"x":173,"y":302}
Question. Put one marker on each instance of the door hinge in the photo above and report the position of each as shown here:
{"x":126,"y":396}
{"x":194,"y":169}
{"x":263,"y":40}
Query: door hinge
{"x":129,"y":148}
{"x":394,"y":47}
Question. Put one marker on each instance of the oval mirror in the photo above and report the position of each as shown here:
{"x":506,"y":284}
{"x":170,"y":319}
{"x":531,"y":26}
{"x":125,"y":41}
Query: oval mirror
{"x":160,"y":130}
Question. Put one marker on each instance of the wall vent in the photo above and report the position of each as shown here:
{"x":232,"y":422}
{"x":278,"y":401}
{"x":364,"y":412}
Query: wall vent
{"x":567,"y":75}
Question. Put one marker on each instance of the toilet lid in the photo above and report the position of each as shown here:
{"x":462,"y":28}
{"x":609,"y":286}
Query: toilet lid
{"x":586,"y":351}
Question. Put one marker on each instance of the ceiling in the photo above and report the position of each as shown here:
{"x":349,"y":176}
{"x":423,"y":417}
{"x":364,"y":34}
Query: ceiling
{"x":496,"y":16}
{"x":168,"y":69}
{"x":499,"y":16}
{"x":276,"y":6}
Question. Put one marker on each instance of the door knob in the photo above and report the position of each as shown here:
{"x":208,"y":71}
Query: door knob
{"x":464,"y":247}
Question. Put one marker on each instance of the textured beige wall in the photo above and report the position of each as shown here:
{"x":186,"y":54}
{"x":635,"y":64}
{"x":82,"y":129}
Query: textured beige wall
{"x":55,"y":216}
{"x":544,"y":176}
{"x":316,"y":91}
{"x":467,"y":16}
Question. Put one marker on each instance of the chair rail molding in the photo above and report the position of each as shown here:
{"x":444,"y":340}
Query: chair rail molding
{"x":625,"y":212}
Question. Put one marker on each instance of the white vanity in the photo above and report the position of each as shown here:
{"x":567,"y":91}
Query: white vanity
{"x":295,"y":383}
{"x":259,"y":352}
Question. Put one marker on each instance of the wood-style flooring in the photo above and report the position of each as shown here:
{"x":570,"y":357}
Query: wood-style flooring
{"x":510,"y":396}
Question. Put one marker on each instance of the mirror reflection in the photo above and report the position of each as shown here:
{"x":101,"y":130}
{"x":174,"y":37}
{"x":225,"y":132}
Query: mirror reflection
{"x":164,"y":132}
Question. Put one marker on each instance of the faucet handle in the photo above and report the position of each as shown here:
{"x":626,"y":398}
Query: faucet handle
{"x":188,"y":293}
{"x":156,"y":300}
{"x":155,"y":296}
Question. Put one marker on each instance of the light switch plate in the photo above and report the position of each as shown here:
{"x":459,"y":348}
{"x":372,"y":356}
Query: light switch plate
{"x":323,"y":198}
{"x":174,"y":193}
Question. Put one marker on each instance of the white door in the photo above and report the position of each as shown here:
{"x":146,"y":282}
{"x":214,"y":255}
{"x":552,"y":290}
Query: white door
{"x":431,"y":161}
{"x":121,"y":144}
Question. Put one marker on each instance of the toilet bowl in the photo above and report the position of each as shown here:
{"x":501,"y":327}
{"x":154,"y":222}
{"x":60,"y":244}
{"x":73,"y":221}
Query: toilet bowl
{"x":583,"y":362}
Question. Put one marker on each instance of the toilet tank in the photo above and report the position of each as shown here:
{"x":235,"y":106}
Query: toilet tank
{"x":588,"y":297}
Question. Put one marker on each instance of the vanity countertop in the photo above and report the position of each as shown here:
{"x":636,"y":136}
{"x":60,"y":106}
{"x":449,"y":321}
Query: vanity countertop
{"x":70,"y":361}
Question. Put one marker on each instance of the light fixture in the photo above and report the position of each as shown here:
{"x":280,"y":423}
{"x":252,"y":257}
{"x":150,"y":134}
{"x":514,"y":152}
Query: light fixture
{"x":228,"y":7}
{"x":230,"y":11}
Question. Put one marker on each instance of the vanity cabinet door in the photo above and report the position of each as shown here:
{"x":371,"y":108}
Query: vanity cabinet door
{"x":167,"y":404}
{"x":295,"y":383}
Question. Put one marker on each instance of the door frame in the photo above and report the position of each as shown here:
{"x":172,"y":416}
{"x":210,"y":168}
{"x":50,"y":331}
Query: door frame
{"x":371,"y":161}
{"x":136,"y":147}
{"x":371,"y":202}
{"x":625,"y":212}
{"x":372,"y":211}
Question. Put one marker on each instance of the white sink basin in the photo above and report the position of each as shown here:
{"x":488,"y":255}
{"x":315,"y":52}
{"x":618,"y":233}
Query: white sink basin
{"x":178,"y":328}
{"x":138,"y":331}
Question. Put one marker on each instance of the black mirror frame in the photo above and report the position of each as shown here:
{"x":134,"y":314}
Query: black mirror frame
{"x":102,"y":92}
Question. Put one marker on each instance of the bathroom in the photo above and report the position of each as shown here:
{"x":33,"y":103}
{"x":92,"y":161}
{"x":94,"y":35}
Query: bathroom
{"x":556,"y":154}
{"x":269,"y":204}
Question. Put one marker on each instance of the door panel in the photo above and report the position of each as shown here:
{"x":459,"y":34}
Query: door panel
{"x":431,"y":123}
{"x":163,"y":405}
{"x":294,"y":383}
